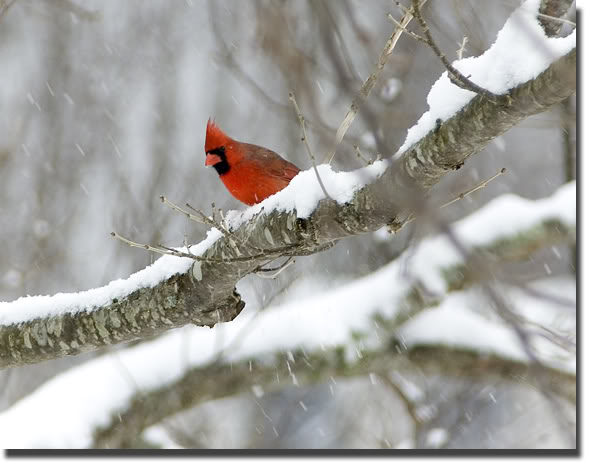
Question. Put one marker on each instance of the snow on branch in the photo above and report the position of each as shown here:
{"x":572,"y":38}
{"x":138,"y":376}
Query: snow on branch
{"x":200,"y":385}
{"x":346,"y":331}
{"x":299,"y":220}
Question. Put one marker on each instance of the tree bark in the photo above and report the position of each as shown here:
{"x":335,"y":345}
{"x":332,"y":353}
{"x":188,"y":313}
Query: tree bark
{"x":220,"y":381}
{"x":206,"y":293}
{"x":150,"y":408}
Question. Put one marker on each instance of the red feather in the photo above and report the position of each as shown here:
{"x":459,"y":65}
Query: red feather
{"x":251,"y":173}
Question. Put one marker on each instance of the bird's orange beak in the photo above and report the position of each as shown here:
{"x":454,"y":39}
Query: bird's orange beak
{"x":212,"y":159}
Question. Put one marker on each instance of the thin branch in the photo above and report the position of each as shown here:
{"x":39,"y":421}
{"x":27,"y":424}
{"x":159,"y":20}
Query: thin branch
{"x":361,"y":156}
{"x":234,"y":67}
{"x":552,"y":336}
{"x":547,"y":297}
{"x":209,"y":221}
{"x":550,"y":14}
{"x":203,"y":218}
{"x":461,"y":196}
{"x":274,"y":272}
{"x":474,"y":189}
{"x":221,"y":379}
{"x":368,"y":210}
{"x":190,"y":216}
{"x":369,"y":83}
{"x":462,"y":48}
{"x":306,"y":141}
{"x":212,"y":220}
{"x":456,"y":76}
{"x":163,"y":250}
{"x":554,"y":18}
{"x":412,"y":34}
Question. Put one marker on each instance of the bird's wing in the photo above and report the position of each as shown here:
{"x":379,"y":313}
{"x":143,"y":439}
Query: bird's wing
{"x":271,"y":162}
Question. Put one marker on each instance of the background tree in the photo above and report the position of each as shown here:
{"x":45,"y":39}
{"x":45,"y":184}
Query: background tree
{"x":106,"y":110}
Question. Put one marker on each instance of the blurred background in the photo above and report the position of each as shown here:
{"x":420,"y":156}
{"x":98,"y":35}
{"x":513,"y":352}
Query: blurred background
{"x":104,"y":107}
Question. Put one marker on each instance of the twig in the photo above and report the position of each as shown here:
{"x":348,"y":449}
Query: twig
{"x":462,"y":48}
{"x":474,"y":189}
{"x":548,"y":297}
{"x":461,"y":196}
{"x":558,"y":340}
{"x":360,"y":155}
{"x":412,"y":34}
{"x":204,"y":219}
{"x":456,"y":76}
{"x":369,"y":84}
{"x":163,"y":250}
{"x":555,"y":18}
{"x":190,"y":216}
{"x":306,"y":141}
{"x":275,"y":271}
{"x":279,"y":106}
{"x":185,"y":243}
{"x":209,"y":221}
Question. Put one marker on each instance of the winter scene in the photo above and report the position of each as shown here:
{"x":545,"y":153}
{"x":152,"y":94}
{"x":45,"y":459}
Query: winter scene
{"x":269,"y":225}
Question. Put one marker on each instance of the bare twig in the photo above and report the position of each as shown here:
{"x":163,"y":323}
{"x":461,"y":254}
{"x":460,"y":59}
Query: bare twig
{"x":554,"y":18}
{"x":474,"y":189}
{"x":163,"y":250}
{"x":369,"y":83}
{"x":554,"y":337}
{"x":202,"y":219}
{"x":455,"y":75}
{"x":461,"y":196}
{"x":235,"y":67}
{"x":209,"y":221}
{"x":306,"y":141}
{"x":212,"y":220}
{"x":412,"y":34}
{"x":548,"y":297}
{"x":274,"y":272}
{"x":360,"y":155}
{"x":462,"y":47}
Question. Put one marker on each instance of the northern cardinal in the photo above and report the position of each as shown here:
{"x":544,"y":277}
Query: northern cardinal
{"x":251,"y":173}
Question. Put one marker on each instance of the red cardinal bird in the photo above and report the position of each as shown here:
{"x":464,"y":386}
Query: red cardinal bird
{"x":251,"y":173}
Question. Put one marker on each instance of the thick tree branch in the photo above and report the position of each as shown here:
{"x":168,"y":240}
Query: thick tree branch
{"x":220,"y":381}
{"x":546,"y":225}
{"x":508,"y":249}
{"x":146,"y":312}
{"x":146,"y":410}
{"x":206,"y":293}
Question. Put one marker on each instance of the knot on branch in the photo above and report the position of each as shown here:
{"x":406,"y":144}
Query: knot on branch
{"x":225,"y":311}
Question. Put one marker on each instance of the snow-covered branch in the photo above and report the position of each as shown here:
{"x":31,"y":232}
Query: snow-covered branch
{"x":351,"y":330}
{"x":299,"y":220}
{"x":204,"y":384}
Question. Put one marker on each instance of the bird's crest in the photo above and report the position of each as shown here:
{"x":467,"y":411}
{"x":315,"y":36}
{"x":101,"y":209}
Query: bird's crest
{"x":214,"y":137}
